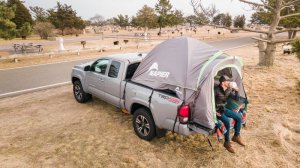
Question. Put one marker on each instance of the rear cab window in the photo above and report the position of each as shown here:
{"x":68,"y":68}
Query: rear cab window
{"x":131,"y":70}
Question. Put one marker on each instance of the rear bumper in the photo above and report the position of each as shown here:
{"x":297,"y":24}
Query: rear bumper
{"x":179,"y":128}
{"x":188,"y":129}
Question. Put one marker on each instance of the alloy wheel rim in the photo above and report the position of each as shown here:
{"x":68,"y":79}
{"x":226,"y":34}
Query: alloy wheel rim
{"x":142,"y":125}
{"x":78,"y":92}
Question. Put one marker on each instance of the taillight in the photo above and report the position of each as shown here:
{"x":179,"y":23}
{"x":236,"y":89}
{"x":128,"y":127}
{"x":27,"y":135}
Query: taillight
{"x":184,"y":113}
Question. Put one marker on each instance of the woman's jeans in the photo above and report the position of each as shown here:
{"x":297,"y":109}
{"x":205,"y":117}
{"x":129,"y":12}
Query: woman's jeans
{"x":225,"y":119}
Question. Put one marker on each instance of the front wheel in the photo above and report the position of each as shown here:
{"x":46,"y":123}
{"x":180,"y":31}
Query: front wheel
{"x":143,"y":124}
{"x":79,"y":93}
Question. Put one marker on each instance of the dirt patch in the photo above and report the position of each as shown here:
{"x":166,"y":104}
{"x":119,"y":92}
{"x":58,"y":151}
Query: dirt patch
{"x":50,"y":129}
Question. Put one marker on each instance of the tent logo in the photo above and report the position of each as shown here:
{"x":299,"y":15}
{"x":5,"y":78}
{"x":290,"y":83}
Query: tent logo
{"x":153,"y":71}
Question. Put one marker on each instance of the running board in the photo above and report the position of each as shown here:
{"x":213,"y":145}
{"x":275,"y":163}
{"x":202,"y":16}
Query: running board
{"x":200,"y":129}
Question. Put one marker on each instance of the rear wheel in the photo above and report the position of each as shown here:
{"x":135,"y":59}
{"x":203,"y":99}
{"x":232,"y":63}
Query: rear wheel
{"x":143,"y":124}
{"x":79,"y":93}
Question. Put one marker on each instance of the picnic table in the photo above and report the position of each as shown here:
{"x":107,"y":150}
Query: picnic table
{"x":29,"y":47}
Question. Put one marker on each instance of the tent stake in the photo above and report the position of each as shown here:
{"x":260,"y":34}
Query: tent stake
{"x":210,"y":143}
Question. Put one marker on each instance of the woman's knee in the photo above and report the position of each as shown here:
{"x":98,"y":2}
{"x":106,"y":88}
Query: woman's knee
{"x":238,"y":117}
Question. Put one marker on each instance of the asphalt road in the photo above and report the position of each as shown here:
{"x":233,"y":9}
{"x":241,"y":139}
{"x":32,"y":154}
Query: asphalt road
{"x":28,"y":79}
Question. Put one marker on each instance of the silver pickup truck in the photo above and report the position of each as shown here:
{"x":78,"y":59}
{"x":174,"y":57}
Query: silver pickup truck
{"x":109,"y":79}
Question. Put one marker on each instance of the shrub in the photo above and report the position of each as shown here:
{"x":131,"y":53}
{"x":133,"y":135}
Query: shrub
{"x":296,"y":47}
{"x":72,"y":31}
{"x":25,"y":30}
{"x":44,"y":29}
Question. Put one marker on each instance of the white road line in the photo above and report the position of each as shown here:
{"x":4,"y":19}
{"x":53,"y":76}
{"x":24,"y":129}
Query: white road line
{"x":238,"y":47}
{"x":33,"y":89}
{"x":29,"y":66}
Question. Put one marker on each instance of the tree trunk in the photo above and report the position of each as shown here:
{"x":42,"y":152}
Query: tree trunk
{"x":270,"y":54}
{"x":290,"y":33}
{"x":262,"y":50}
{"x":294,"y":34}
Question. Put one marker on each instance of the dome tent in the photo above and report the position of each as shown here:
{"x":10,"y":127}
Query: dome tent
{"x":188,"y":67}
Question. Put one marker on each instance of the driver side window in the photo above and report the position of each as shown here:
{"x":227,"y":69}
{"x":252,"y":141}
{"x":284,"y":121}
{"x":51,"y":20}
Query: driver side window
{"x":100,"y":66}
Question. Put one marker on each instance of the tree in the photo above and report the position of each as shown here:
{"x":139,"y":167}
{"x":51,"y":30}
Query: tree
{"x":43,"y":29}
{"x":164,"y":10}
{"x":226,"y":20}
{"x":40,"y":14}
{"x":176,"y":18}
{"x":98,"y":20}
{"x":63,"y":16}
{"x":22,"y":14}
{"x":217,"y":20}
{"x":239,"y":21}
{"x":194,"y":20}
{"x":291,"y":22}
{"x":25,"y":30}
{"x":265,"y":16}
{"x":275,"y":10}
{"x":7,"y":27}
{"x":122,"y":21}
{"x":145,"y":18}
{"x":256,"y":18}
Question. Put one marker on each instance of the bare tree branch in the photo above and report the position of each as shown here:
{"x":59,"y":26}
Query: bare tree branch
{"x":281,"y":41}
{"x":200,"y":9}
{"x":285,"y":16}
{"x":291,"y":3}
{"x":286,"y":30}
{"x":273,"y":41}
{"x":243,"y":29}
{"x":258,"y":4}
{"x":196,"y":5}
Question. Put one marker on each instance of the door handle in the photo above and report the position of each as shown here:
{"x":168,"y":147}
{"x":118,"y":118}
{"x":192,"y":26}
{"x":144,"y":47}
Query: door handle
{"x":101,"y":80}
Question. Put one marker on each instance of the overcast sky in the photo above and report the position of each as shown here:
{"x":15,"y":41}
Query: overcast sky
{"x":110,"y":8}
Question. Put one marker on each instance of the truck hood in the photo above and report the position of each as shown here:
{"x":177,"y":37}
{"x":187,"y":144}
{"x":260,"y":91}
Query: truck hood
{"x":81,"y":66}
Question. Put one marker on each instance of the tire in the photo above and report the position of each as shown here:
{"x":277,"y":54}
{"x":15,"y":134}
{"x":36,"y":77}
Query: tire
{"x":143,"y":124}
{"x":79,"y":94}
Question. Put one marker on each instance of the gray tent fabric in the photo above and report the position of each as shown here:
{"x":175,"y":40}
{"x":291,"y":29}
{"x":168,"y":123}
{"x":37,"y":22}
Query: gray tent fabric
{"x":174,"y":62}
{"x":188,"y":67}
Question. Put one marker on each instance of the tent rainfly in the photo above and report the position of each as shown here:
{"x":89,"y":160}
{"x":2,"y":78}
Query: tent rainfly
{"x":188,"y":67}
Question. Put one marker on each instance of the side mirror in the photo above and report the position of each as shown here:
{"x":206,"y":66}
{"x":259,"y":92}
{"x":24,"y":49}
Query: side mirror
{"x":87,"y":68}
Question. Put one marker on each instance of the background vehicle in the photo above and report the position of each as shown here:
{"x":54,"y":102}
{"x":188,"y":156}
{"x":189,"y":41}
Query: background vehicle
{"x":287,"y":48}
